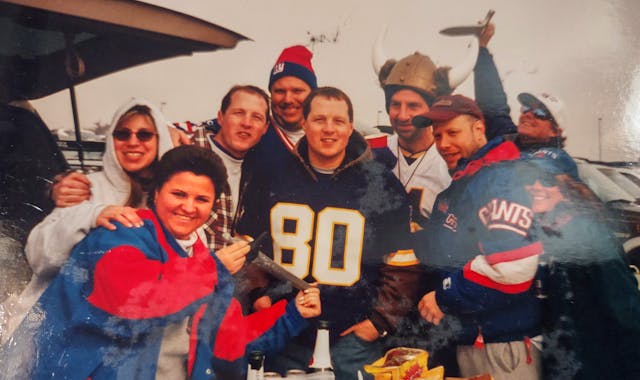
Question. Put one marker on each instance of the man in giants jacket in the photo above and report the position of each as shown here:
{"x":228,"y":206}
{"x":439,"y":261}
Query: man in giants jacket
{"x":478,"y":240}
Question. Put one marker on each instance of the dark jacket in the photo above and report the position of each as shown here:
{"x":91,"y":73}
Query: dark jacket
{"x":345,"y":230}
{"x":492,"y":100}
{"x":592,"y":311}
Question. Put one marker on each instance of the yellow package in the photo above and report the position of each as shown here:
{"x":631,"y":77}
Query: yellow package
{"x":401,"y":363}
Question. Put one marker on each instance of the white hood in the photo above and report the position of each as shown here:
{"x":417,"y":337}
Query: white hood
{"x":111,"y":167}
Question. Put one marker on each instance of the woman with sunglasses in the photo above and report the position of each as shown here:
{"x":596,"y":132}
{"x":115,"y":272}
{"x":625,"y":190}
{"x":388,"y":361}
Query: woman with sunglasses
{"x":590,"y":299}
{"x":137,"y":138}
{"x":152,"y":302}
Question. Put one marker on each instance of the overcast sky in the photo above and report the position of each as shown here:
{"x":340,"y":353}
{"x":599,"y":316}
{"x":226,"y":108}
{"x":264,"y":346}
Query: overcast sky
{"x":585,"y":51}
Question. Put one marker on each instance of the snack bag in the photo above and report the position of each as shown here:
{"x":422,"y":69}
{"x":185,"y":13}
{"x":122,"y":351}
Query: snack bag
{"x":400,"y":363}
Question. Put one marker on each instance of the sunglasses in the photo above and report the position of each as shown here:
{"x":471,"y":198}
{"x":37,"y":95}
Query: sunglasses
{"x":124,"y":134}
{"x":538,"y":113}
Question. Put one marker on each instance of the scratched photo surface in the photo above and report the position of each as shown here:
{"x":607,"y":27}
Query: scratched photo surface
{"x":584,"y":52}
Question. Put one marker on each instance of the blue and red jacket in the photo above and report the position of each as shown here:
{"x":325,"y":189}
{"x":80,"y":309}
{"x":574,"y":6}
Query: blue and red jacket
{"x":105,"y":313}
{"x":478,"y":244}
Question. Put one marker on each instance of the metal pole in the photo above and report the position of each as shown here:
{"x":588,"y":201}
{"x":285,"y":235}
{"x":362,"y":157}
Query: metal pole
{"x":599,"y":139}
{"x":75,"y":69}
{"x":76,"y":123}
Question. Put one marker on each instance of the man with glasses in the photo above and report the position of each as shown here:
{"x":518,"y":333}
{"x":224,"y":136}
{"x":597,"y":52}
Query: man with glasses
{"x":539,"y":128}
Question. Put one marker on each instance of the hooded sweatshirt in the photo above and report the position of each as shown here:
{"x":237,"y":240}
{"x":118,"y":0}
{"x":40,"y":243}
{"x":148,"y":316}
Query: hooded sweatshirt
{"x":50,"y":242}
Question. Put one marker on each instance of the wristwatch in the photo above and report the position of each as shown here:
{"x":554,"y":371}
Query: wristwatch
{"x":381,"y":331}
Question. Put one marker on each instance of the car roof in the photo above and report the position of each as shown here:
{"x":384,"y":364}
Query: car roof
{"x":41,"y":41}
{"x":605,"y":188}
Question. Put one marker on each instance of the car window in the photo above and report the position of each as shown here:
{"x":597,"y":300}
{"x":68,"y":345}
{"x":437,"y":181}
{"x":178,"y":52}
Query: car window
{"x":633,"y":178}
{"x":601,"y":185}
{"x":622,"y":181}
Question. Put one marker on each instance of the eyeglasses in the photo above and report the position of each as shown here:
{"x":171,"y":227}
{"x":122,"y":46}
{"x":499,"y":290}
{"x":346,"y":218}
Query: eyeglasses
{"x":124,"y":134}
{"x":538,"y":113}
{"x":547,"y":180}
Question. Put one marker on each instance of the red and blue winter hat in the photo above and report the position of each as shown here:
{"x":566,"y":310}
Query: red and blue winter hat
{"x":294,"y":61}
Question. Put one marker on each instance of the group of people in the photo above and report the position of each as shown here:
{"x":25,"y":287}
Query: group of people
{"x":480,"y":226}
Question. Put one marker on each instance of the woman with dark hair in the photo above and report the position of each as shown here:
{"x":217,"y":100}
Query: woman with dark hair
{"x":590,"y":298}
{"x":152,"y":302}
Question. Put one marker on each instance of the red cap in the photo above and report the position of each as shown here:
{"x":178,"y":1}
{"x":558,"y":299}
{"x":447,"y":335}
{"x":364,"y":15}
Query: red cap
{"x":445,"y":108}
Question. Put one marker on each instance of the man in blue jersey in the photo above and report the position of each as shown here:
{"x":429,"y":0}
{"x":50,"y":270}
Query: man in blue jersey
{"x":479,"y":243}
{"x":339,"y":218}
{"x":291,"y":79}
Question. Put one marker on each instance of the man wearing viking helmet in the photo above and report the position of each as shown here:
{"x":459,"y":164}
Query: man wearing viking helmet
{"x":410,"y":86}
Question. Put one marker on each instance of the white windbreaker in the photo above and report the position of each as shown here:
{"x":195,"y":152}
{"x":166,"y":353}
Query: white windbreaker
{"x":50,"y":242}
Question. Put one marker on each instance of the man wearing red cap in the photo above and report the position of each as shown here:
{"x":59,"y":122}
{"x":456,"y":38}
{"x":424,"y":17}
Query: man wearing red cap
{"x":292,"y":78}
{"x":478,"y":241}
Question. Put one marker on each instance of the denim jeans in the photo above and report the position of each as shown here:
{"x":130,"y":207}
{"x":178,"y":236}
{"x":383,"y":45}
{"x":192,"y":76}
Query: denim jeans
{"x":350,"y":353}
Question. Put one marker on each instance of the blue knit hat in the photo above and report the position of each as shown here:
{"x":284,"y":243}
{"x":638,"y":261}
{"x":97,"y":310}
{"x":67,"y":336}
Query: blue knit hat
{"x":294,"y":61}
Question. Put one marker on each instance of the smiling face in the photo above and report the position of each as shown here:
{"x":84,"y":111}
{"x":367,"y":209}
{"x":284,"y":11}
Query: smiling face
{"x":287,"y":95}
{"x":544,"y":198}
{"x":404,"y":106}
{"x":184,"y":203}
{"x":133,"y":154}
{"x":327,"y":128}
{"x":535,"y":127}
{"x":243,"y":123}
{"x":458,"y":138}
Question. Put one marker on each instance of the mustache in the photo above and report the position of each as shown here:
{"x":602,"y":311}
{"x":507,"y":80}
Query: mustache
{"x":421,"y":121}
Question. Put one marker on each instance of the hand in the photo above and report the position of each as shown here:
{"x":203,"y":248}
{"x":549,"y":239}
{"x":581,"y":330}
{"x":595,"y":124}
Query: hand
{"x":178,"y":137}
{"x":71,"y":189}
{"x":364,"y":330}
{"x":263,"y":302}
{"x":234,"y":255}
{"x":486,"y":34}
{"x":123,"y":214}
{"x":308,"y":302}
{"x":429,"y":309}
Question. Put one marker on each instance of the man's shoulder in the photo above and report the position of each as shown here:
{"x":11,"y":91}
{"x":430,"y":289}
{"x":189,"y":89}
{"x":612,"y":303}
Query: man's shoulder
{"x":382,"y":149}
{"x":202,"y":137}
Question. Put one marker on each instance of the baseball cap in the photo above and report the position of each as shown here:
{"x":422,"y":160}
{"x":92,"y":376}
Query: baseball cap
{"x":446,"y":107}
{"x":551,"y":102}
{"x":554,"y":161}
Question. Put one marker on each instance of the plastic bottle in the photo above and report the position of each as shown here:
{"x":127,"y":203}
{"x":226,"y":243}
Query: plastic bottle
{"x":321,"y":361}
{"x":256,"y":368}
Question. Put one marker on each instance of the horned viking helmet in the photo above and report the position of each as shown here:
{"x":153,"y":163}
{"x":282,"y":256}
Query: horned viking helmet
{"x":419,"y":73}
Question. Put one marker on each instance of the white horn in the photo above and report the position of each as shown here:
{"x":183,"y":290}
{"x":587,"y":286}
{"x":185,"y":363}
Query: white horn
{"x":378,"y":57}
{"x":459,"y":73}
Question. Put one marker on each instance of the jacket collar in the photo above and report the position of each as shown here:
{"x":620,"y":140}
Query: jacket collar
{"x":357,"y":151}
{"x":496,"y":150}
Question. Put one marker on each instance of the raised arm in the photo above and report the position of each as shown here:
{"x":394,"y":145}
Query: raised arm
{"x":489,"y":92}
